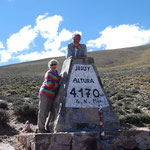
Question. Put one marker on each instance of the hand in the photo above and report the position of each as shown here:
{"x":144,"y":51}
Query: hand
{"x":76,"y":45}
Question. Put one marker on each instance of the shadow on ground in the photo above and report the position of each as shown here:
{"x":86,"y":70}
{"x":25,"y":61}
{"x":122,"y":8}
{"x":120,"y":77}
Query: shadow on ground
{"x":8,"y":130}
{"x":32,"y":120}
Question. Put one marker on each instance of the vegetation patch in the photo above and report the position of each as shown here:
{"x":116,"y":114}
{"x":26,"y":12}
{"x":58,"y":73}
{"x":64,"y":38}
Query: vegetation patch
{"x":3,"y":105}
{"x":4,"y":117}
{"x":135,"y":119}
{"x":25,"y":111}
{"x":126,"y":85}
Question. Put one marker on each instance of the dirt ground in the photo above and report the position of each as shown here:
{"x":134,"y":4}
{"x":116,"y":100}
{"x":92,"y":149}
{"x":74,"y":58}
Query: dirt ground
{"x":8,"y":134}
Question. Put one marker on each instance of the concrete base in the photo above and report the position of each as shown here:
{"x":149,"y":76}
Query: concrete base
{"x":132,"y":139}
{"x":58,"y":141}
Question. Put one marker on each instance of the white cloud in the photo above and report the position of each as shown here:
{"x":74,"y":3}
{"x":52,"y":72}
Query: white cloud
{"x":63,"y":36}
{"x":5,"y":56}
{"x":121,"y":36}
{"x":47,"y":28}
{"x":21,"y":40}
{"x":90,"y":50}
{"x":1,"y":45}
{"x":64,"y":49}
{"x":41,"y":55}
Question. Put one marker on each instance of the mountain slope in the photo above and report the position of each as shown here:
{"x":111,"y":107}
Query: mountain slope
{"x":125,"y":57}
{"x":125,"y":74}
{"x":107,"y":59}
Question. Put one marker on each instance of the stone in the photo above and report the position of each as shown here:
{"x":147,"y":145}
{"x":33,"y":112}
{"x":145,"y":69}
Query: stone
{"x":148,"y":146}
{"x":58,"y":141}
{"x":80,"y":95}
{"x":83,"y":140}
{"x":4,"y":146}
{"x":142,"y":146}
{"x":143,"y":137}
{"x":117,"y":142}
{"x":138,"y":139}
{"x":27,"y":127}
{"x":130,"y":144}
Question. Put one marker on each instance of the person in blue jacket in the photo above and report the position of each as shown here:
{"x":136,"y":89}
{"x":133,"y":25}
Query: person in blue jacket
{"x":75,"y":48}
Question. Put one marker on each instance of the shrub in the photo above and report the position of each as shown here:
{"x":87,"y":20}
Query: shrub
{"x":127,"y":107}
{"x":18,"y":103}
{"x":145,"y":118}
{"x":3,"y":105}
{"x":145,"y":104}
{"x":136,"y":119}
{"x":122,"y":119}
{"x":148,"y":107}
{"x":136,"y":110}
{"x":119,"y":104}
{"x":119,"y":111}
{"x":4,"y":117}
{"x":128,"y":95}
{"x":135,"y":91}
{"x":118,"y":96}
{"x":133,"y":119}
{"x":13,"y":92}
{"x":26,"y":111}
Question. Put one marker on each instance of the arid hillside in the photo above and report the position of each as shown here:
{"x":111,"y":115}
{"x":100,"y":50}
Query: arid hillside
{"x":105,"y":60}
{"x":125,"y":74}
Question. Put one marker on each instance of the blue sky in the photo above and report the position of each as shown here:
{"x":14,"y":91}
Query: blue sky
{"x":37,"y":29}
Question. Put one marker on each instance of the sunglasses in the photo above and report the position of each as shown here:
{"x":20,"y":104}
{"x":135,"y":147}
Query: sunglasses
{"x":53,"y":64}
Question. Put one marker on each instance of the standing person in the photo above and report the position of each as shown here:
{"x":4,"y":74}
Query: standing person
{"x":47,"y":94}
{"x":75,"y":48}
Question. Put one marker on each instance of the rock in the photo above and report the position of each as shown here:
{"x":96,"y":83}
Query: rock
{"x":27,"y":127}
{"x":4,"y":146}
{"x":130,"y":144}
{"x":85,"y":141}
{"x":142,"y":146}
{"x":143,"y":137}
{"x":58,"y":141}
{"x":118,"y":142}
{"x":20,"y":128}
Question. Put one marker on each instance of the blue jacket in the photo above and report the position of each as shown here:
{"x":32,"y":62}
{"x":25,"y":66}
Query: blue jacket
{"x":82,"y":50}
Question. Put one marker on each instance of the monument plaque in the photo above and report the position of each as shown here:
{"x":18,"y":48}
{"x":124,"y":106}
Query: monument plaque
{"x":84,"y":90}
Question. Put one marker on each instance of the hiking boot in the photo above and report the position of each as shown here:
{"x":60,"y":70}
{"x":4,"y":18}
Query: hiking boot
{"x":40,"y":131}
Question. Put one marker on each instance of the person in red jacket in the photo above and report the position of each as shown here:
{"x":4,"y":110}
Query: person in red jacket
{"x":47,"y":94}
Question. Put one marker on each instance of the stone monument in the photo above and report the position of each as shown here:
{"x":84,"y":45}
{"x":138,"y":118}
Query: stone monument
{"x":79,"y":97}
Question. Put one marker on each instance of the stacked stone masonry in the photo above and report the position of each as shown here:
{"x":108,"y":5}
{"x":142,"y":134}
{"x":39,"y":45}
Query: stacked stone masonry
{"x":132,"y":139}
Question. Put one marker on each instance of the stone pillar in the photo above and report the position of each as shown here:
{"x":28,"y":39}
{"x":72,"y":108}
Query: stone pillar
{"x":79,"y":97}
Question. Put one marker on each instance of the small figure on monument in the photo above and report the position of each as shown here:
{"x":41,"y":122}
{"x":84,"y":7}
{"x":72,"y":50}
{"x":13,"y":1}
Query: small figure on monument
{"x":75,"y":48}
{"x":47,"y":95}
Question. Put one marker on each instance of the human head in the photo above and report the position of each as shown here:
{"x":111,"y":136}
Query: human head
{"x":53,"y":64}
{"x":76,"y":38}
{"x":76,"y":34}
